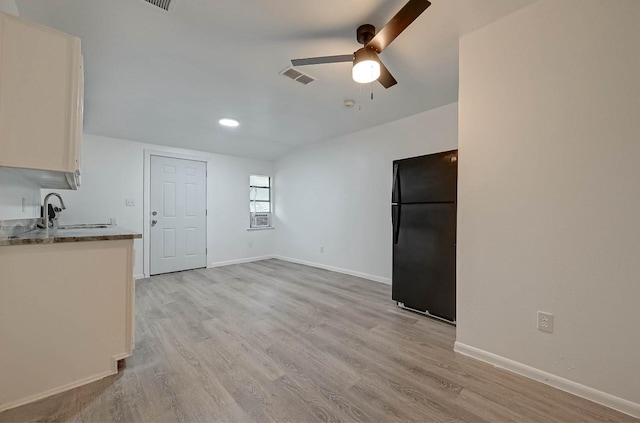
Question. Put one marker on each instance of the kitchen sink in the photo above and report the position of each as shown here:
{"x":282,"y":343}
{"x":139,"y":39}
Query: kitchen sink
{"x":86,"y":226}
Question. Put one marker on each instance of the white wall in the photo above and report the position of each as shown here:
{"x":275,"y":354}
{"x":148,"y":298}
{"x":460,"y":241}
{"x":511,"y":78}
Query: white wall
{"x":336,"y":194}
{"x":9,"y":6}
{"x":112,"y":171}
{"x":13,"y":188}
{"x":549,"y":202}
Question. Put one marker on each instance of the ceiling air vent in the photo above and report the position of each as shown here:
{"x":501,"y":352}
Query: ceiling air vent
{"x":162,"y":4}
{"x":297,"y":76}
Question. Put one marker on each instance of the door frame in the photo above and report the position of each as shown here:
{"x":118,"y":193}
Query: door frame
{"x":146,"y":247}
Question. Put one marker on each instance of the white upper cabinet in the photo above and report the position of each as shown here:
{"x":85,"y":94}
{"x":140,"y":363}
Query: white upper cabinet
{"x":41,"y":102}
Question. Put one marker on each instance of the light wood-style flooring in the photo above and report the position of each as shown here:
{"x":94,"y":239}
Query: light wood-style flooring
{"x":273,"y":341}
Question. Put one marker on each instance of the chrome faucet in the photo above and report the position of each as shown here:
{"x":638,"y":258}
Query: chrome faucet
{"x":45,"y":209}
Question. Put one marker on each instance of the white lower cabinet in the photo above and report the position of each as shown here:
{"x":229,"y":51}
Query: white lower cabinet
{"x":66,"y":316}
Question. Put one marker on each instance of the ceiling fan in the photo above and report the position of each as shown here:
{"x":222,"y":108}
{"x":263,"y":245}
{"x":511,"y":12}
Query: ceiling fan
{"x":367,"y":66}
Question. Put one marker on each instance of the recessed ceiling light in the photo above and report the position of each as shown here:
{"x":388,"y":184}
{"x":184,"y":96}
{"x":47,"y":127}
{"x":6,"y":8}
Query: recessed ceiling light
{"x":232,"y":123}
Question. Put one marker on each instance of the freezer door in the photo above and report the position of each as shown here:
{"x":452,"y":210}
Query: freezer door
{"x":426,"y":179}
{"x":424,"y":258}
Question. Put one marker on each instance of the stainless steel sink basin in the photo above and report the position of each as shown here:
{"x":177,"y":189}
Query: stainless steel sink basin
{"x":86,"y":226}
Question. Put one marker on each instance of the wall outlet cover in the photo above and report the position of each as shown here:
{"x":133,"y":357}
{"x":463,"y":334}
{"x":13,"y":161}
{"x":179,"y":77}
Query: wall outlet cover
{"x":545,"y":322}
{"x":130,"y":202}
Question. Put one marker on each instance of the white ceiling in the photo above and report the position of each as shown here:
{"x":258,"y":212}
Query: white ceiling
{"x":167,"y":77}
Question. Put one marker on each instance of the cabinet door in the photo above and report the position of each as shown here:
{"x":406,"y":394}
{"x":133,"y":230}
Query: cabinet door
{"x":39,"y":96}
{"x":77,"y":137}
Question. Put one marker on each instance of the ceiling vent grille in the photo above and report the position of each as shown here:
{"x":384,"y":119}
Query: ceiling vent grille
{"x":297,"y":76}
{"x":162,"y":4}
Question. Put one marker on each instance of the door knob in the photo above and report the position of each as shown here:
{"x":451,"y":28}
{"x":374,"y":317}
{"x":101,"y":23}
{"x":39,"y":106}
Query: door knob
{"x":153,"y":222}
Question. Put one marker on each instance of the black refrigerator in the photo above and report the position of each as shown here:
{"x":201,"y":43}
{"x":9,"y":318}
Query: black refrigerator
{"x":423,"y":212}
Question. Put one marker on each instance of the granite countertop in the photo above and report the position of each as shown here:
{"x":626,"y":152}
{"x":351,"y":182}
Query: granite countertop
{"x":54,"y":236}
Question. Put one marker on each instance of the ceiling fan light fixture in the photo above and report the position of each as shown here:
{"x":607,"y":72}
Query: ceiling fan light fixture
{"x":366,"y":66}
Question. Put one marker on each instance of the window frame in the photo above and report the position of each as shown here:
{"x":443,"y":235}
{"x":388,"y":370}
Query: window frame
{"x":269,"y":201}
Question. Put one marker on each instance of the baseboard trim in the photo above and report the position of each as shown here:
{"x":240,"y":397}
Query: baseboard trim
{"x":115,"y":359}
{"x":141,"y":276}
{"x":608,"y":400}
{"x":55,"y":391}
{"x":336,"y":269}
{"x":239,"y":261}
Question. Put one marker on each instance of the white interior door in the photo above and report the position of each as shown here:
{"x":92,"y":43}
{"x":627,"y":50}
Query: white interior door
{"x":178,"y":232}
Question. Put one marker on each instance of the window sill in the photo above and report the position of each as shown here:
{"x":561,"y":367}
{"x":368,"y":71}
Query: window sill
{"x":261,"y":229}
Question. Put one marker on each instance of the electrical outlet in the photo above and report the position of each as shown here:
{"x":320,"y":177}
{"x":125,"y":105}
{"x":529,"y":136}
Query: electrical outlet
{"x":545,"y":322}
{"x":250,"y":244}
{"x":321,"y":250}
{"x":130,"y":202}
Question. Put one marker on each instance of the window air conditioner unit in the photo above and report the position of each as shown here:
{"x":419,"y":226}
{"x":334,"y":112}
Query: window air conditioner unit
{"x":260,"y":220}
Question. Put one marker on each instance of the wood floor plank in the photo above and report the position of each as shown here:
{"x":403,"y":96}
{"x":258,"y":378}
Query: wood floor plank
{"x":274,"y":341}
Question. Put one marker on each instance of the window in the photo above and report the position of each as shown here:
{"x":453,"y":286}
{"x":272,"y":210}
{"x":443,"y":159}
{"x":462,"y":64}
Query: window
{"x":260,"y":201}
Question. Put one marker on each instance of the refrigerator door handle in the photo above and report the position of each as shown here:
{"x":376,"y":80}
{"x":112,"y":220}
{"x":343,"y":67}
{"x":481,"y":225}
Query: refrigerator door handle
{"x":395,"y":217}
{"x":395,"y":194}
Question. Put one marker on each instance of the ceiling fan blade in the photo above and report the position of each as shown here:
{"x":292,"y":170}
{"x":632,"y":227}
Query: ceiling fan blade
{"x":398,"y":23}
{"x":322,"y":60}
{"x":386,"y":79}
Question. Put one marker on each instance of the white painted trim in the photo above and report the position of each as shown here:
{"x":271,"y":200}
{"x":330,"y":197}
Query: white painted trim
{"x":54,"y":391}
{"x":115,"y":359}
{"x":305,"y":263}
{"x":146,"y":260}
{"x":239,"y":261}
{"x":141,"y":276}
{"x":608,"y":400}
{"x":336,"y":269}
